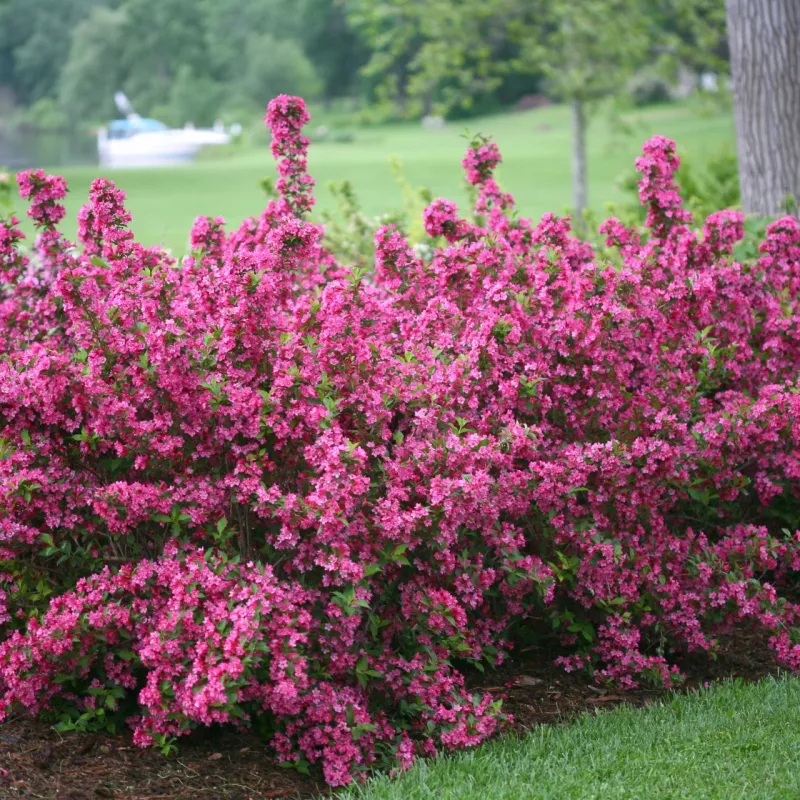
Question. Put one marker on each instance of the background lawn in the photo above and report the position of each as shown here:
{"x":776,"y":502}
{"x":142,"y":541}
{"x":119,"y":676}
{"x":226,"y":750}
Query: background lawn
{"x":731,"y":741}
{"x":535,"y":145}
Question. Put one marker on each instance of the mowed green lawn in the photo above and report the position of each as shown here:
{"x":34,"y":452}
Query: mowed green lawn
{"x":732,"y":741}
{"x":536,"y":169}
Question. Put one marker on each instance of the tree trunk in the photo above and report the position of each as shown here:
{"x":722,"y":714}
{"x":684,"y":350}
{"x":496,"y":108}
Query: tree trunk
{"x":579,"y":191}
{"x":764,"y":40}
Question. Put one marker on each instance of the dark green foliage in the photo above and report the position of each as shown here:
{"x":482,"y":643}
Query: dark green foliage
{"x":714,"y":186}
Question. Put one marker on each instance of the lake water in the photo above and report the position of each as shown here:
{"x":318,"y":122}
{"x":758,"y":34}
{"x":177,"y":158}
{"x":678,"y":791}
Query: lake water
{"x":46,"y":149}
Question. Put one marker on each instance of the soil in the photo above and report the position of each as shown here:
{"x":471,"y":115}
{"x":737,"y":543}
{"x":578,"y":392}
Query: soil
{"x":538,"y":692}
{"x":36,"y":763}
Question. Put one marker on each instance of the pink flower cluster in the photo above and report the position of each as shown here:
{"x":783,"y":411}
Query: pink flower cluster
{"x":44,"y":192}
{"x":266,"y":486}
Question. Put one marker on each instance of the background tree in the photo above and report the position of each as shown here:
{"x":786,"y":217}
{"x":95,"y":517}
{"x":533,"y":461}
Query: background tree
{"x":228,"y":28}
{"x":765,"y":66}
{"x":277,"y":66}
{"x":95,"y":67}
{"x":163,"y":36}
{"x":198,"y":59}
{"x":35,"y":41}
{"x":192,"y":98}
{"x":586,"y":50}
{"x":332,"y":45}
{"x":395,"y":33}
{"x":179,"y":58}
{"x":690,"y":32}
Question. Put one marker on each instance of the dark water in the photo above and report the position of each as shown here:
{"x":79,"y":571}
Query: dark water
{"x":20,"y":150}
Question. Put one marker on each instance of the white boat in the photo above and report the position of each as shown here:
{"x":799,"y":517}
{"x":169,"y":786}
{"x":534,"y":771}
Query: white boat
{"x":140,"y":142}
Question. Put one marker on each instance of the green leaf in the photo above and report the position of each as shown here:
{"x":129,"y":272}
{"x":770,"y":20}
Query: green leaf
{"x":701,"y":496}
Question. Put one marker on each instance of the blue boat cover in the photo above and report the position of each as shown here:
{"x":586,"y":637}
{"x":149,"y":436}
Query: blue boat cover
{"x":120,"y":128}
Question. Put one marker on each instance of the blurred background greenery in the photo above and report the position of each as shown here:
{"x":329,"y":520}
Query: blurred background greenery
{"x":384,"y":78}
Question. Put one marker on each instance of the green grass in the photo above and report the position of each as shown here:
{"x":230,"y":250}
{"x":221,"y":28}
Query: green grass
{"x":731,"y":741}
{"x":535,"y":145}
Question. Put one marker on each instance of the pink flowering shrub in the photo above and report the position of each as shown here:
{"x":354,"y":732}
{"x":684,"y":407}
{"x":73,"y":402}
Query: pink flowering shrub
{"x":264,"y":486}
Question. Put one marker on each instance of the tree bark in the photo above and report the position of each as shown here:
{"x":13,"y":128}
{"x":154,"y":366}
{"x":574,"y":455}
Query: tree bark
{"x":764,"y":41}
{"x":579,"y":190}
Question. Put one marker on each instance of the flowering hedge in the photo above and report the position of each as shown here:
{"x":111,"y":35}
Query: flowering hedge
{"x":263,"y":487}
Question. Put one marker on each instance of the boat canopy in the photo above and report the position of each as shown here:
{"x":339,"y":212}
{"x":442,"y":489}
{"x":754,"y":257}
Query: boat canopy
{"x":123,"y":128}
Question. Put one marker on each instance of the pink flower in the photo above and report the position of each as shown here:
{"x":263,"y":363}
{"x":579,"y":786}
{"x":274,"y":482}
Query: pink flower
{"x":284,"y":480}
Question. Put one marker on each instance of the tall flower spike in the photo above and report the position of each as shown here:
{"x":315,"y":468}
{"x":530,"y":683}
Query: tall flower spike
{"x":103,"y":222}
{"x":286,"y":116}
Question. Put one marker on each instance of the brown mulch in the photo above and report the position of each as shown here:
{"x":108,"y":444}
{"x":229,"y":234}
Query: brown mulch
{"x":537,"y":692}
{"x":40,"y":763}
{"x":37,"y":763}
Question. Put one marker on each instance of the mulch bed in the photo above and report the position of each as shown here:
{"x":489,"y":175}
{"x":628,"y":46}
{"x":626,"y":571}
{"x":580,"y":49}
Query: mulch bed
{"x":38,"y":763}
{"x":540,"y":693}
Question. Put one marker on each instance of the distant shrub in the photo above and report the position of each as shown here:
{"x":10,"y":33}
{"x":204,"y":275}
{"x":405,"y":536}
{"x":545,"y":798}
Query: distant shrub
{"x":649,"y":88}
{"x":271,"y":487}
